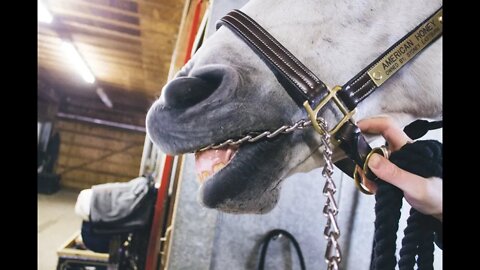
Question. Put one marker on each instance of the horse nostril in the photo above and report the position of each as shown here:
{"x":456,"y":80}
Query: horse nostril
{"x":184,"y":92}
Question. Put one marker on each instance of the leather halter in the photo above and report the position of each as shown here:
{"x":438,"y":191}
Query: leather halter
{"x":309,"y":91}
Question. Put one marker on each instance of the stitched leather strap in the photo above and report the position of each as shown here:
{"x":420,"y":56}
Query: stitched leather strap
{"x":354,"y":146}
{"x":362,"y":85}
{"x":300,"y":83}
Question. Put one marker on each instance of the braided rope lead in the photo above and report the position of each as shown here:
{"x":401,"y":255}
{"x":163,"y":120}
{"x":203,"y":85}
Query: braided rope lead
{"x":387,"y":214}
{"x":417,"y":244}
{"x":425,"y":159}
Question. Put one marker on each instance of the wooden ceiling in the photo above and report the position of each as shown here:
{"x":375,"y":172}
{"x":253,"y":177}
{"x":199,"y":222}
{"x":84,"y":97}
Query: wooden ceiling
{"x":127,"y":44}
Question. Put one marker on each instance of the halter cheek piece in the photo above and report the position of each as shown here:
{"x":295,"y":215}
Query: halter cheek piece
{"x":309,"y":91}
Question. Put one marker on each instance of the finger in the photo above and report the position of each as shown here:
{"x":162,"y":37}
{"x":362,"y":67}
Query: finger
{"x":389,"y":172}
{"x":388,"y":128}
{"x":376,"y":124}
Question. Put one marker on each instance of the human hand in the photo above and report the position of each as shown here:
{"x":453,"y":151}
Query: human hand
{"x":423,"y":194}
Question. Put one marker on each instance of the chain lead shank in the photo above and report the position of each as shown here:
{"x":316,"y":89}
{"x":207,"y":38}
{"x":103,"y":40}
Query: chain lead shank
{"x":333,"y":255}
{"x":255,"y":136}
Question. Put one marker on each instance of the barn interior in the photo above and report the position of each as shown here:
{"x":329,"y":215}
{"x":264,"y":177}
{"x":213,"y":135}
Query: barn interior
{"x":101,"y":64}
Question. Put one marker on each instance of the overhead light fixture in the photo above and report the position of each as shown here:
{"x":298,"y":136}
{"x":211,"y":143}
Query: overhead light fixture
{"x":104,"y":97}
{"x":43,"y":14}
{"x":78,"y":62}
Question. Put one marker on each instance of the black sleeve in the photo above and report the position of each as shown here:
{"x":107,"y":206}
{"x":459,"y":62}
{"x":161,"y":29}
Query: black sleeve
{"x":438,"y":231}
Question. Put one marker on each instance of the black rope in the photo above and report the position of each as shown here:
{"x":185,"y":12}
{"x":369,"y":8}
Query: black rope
{"x":420,"y":127}
{"x":423,"y":158}
{"x":387,"y":211}
{"x":425,"y":252}
{"x":276,"y":233}
{"x":413,"y":234}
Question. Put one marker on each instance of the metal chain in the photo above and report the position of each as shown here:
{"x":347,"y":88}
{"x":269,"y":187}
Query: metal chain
{"x":255,"y":136}
{"x":333,"y":255}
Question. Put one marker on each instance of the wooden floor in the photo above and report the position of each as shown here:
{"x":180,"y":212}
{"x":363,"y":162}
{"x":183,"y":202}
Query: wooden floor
{"x":57,"y":222}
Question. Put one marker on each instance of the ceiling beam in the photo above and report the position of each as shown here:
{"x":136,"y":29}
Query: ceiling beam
{"x":76,"y":26}
{"x":102,"y":122}
{"x":105,"y":44}
{"x":171,"y":4}
{"x":111,"y":9}
{"x":68,"y":14}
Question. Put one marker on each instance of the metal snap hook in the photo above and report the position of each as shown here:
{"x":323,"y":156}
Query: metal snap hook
{"x":383,"y":151}
{"x":358,"y":178}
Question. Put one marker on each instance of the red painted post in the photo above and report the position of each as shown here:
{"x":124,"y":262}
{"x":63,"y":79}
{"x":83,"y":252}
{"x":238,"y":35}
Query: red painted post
{"x":155,"y":231}
{"x":160,"y":207}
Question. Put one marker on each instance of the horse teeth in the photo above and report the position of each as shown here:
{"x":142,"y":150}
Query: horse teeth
{"x":217,"y":167}
{"x":203,"y":176}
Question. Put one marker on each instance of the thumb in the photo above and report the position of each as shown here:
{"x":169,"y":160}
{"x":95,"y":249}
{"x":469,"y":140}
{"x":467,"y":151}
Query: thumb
{"x":392,"y":174}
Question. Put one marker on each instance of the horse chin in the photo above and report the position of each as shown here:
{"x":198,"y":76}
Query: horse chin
{"x":250,"y":183}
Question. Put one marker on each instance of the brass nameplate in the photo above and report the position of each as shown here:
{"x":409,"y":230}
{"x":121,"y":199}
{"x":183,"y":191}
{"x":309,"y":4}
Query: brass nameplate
{"x":406,"y":50}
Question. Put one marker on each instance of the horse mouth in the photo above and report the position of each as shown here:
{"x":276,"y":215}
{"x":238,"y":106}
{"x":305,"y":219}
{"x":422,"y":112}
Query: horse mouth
{"x":239,"y":178}
{"x":209,"y":162}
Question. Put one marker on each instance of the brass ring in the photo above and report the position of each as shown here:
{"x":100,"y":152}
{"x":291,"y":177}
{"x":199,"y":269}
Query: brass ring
{"x":357,"y":179}
{"x":382,"y":150}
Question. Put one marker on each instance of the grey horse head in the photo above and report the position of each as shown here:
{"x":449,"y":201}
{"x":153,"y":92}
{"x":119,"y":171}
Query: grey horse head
{"x":226,"y":91}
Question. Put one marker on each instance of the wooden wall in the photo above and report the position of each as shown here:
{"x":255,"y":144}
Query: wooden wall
{"x":92,"y":154}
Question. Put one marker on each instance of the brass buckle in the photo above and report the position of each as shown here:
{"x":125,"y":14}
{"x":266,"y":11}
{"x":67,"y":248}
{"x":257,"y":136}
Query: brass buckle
{"x":358,"y":178}
{"x":313,"y":113}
